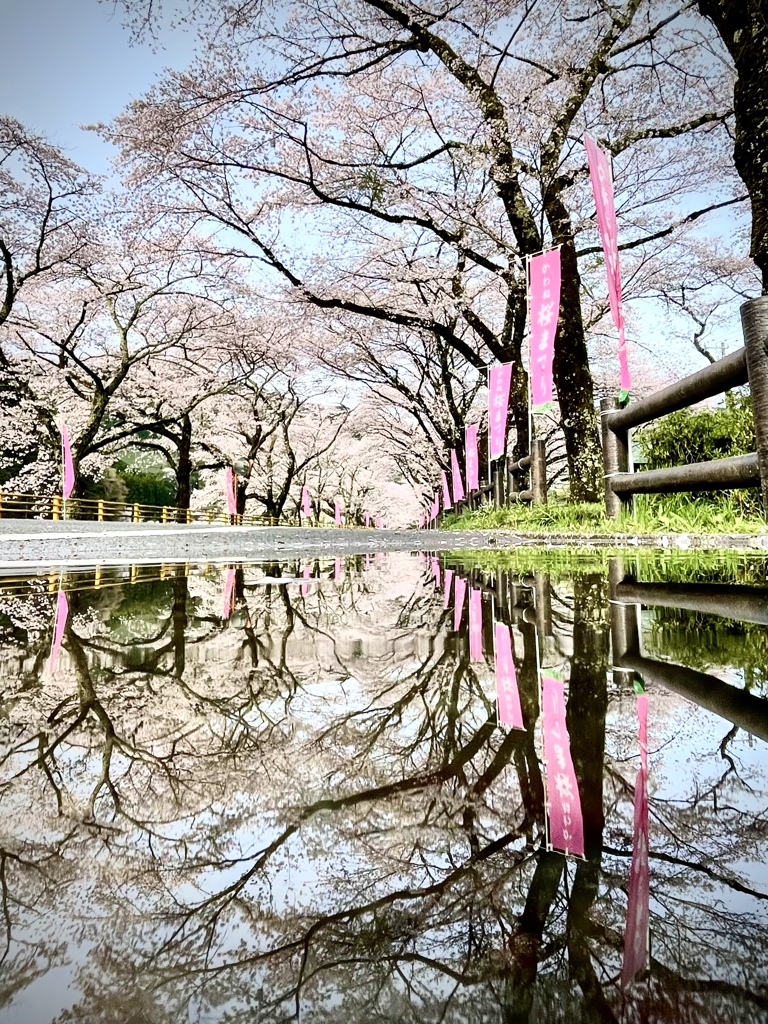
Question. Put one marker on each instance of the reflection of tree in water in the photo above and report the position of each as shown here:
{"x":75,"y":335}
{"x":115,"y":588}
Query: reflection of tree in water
{"x":366,"y":849}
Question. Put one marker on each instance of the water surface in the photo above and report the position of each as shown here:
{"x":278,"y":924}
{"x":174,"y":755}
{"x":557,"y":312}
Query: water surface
{"x":282,"y":792}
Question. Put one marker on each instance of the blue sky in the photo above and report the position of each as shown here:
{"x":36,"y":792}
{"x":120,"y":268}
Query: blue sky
{"x":64,"y":63}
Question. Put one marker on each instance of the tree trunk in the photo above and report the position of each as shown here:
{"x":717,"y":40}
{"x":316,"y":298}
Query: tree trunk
{"x":571,"y":372}
{"x":184,"y":467}
{"x":744,"y":29}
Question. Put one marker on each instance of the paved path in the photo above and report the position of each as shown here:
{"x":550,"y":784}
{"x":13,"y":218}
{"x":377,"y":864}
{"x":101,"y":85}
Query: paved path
{"x":43,"y":542}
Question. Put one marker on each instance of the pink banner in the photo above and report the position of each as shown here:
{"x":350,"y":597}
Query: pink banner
{"x":605,"y":208}
{"x":507,"y":694}
{"x":499,"y":382}
{"x":460,"y":589}
{"x":337,"y":570}
{"x":227,"y":600}
{"x":306,"y":503}
{"x":543,"y":312}
{"x":472,"y":457}
{"x":447,"y":594}
{"x":306,"y":573}
{"x":475,"y":625}
{"x":436,"y":570}
{"x":435,"y":507}
{"x":638,"y":904}
{"x":367,"y":518}
{"x":230,"y":488}
{"x":66,"y":460}
{"x":566,"y":826}
{"x":59,"y":624}
{"x":379,"y":523}
{"x":458,"y":486}
{"x":447,"y":503}
{"x":337,"y":512}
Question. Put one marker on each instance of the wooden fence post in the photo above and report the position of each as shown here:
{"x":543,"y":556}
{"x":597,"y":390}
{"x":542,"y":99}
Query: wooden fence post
{"x":615,"y":456}
{"x":100,"y":511}
{"x":539,"y":472}
{"x":754,"y":322}
{"x":136,"y":517}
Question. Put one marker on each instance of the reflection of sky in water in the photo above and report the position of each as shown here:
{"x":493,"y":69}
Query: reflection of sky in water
{"x":348,"y":729}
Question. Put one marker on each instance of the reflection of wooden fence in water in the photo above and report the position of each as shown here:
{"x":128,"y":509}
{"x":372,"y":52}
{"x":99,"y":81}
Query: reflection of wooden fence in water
{"x":748,"y":604}
{"x":747,"y":366}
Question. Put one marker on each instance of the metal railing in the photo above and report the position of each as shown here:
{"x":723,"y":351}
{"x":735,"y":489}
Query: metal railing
{"x":15,"y":505}
{"x":749,"y":365}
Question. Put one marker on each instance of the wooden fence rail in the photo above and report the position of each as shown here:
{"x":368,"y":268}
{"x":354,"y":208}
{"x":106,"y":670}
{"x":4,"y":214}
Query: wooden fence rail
{"x":749,"y":365}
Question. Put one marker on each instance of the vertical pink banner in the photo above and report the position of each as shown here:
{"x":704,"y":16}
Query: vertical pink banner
{"x":306,"y":503}
{"x":230,"y":485}
{"x":566,"y":825}
{"x":458,"y":486}
{"x":436,"y":570}
{"x":543,"y":313}
{"x":475,"y":625}
{"x":435,"y":507}
{"x":447,"y":594}
{"x":638,"y":904}
{"x":379,"y":523}
{"x":227,"y":598}
{"x":472,"y":458}
{"x":66,"y":461}
{"x":460,"y":589}
{"x":605,"y":208}
{"x":499,"y":382}
{"x":337,"y":570}
{"x":337,"y":512}
{"x":367,"y":518}
{"x":306,"y":573}
{"x":59,"y":625}
{"x":507,"y":694}
{"x":447,"y":503}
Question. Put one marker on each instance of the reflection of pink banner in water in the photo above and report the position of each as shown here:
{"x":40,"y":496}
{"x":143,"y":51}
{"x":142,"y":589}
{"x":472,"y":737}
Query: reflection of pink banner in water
{"x":337,"y":512}
{"x":475,"y":625}
{"x":507,"y":695}
{"x":458,"y":486}
{"x":460,"y":589}
{"x":306,"y":504}
{"x":566,"y":826}
{"x":230,"y":486}
{"x":436,"y":571}
{"x":68,"y":465}
{"x":472,"y":458}
{"x":337,"y":570}
{"x":605,"y":208}
{"x":447,"y":594}
{"x":498,"y":402}
{"x":227,"y":599}
{"x":543,"y":312}
{"x":306,"y":572}
{"x":59,"y":624}
{"x":446,"y":490}
{"x":638,"y":904}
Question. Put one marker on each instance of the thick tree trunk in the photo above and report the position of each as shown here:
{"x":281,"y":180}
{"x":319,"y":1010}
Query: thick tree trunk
{"x":571,"y":372}
{"x":184,"y":467}
{"x":743,"y":27}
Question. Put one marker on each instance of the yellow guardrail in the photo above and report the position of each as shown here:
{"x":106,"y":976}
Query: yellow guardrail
{"x":14,"y":505}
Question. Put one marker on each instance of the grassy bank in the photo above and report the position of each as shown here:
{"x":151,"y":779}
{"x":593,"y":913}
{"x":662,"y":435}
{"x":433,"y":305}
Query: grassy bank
{"x":677,"y":513}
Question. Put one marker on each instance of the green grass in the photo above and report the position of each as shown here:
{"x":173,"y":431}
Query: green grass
{"x":652,"y":514}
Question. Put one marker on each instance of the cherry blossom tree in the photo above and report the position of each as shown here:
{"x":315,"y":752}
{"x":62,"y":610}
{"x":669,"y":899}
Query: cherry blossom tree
{"x":434,"y":151}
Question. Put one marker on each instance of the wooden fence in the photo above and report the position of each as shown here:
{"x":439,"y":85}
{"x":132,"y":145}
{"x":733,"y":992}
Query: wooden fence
{"x":747,"y":366}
